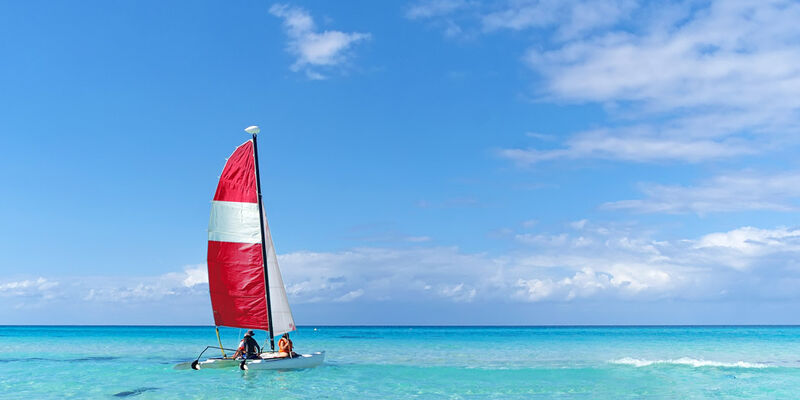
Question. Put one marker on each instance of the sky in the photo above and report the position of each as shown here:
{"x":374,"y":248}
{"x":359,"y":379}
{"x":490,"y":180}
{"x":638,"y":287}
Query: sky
{"x":513,"y":162}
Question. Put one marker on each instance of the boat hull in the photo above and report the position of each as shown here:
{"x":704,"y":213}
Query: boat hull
{"x":302,"y":361}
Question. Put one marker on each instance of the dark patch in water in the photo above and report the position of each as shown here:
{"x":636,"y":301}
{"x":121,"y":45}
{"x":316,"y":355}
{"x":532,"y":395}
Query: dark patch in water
{"x":134,"y":392}
{"x":95,"y":358}
{"x":2,"y":360}
{"x":82,"y":359}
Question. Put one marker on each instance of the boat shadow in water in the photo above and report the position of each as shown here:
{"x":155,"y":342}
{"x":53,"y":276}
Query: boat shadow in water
{"x":134,"y":392}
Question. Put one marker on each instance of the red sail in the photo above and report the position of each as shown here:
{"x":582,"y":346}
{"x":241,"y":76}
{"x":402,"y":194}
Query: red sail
{"x":235,"y":264}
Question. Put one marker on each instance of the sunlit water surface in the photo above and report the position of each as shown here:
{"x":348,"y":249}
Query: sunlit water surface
{"x":411,"y":362}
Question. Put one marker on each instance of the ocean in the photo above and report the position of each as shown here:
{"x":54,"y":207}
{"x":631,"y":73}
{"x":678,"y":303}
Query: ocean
{"x":136,"y":362}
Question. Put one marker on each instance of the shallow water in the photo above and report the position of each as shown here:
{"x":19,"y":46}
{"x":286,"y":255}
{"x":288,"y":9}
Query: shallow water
{"x":411,"y":362}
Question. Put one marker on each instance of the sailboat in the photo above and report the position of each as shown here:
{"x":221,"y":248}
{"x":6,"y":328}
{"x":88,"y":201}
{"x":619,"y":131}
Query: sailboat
{"x":244,"y":279}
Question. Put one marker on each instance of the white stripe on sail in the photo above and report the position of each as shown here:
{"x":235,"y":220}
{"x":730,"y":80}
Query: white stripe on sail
{"x":233,"y":221}
{"x":282,"y":320}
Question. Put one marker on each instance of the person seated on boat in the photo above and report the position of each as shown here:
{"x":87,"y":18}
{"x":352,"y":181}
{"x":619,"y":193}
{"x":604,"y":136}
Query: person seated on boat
{"x":285,"y":347}
{"x":248,"y":347}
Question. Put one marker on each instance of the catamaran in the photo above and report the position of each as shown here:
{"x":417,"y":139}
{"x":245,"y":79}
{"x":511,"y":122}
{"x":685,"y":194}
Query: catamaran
{"x":243,"y":276}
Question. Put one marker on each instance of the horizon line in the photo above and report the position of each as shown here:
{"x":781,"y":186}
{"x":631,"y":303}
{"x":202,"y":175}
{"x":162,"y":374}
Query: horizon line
{"x":422,"y":326}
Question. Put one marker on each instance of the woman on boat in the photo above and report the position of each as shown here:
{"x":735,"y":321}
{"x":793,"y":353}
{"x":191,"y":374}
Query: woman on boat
{"x":285,"y":346}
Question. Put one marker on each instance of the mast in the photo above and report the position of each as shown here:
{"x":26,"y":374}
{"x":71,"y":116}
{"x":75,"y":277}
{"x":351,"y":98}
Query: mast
{"x":254,"y":130}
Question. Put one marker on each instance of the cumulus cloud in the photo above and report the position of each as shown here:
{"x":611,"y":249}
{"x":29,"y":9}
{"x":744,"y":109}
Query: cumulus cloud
{"x":584,"y":283}
{"x":195,"y":275}
{"x":740,"y":191}
{"x":316,"y":51}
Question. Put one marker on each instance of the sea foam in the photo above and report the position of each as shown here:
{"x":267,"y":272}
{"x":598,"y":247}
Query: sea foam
{"x":691,"y":362}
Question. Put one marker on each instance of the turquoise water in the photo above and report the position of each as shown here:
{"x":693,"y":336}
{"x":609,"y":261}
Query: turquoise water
{"x":411,"y":362}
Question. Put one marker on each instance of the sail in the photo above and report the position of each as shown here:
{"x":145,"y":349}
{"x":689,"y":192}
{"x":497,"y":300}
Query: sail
{"x":282,"y":320}
{"x":235,"y":262}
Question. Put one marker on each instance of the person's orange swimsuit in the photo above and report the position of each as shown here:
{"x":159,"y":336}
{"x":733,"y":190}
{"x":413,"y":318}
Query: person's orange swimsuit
{"x":285,"y":346}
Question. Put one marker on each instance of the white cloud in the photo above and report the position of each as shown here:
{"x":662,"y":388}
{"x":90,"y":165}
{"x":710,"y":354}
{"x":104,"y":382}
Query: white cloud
{"x":315,"y":50}
{"x":746,"y":247}
{"x":435,"y":8}
{"x":753,"y":241}
{"x":195,"y":275}
{"x":569,"y":17}
{"x":625,"y":280}
{"x":638,"y":145}
{"x":381,"y":274}
{"x":579,"y":225}
{"x":601,"y":262}
{"x":444,"y":14}
{"x":191,"y":281}
{"x":536,"y":289}
{"x":681,"y":81}
{"x":590,"y":261}
{"x":731,"y":192}
{"x":593,"y":261}
{"x":458,"y":292}
{"x":720,"y":78}
{"x":733,"y":54}
{"x":350,"y":296}
{"x":28,"y":287}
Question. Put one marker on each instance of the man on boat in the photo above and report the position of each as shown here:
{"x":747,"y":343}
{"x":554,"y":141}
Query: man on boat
{"x":285,"y":347}
{"x":248,"y":347}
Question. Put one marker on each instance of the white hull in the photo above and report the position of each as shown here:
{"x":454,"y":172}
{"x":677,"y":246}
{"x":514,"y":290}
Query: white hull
{"x":300,"y":362}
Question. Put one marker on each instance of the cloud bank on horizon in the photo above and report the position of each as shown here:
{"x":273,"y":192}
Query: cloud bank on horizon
{"x":585,"y":262}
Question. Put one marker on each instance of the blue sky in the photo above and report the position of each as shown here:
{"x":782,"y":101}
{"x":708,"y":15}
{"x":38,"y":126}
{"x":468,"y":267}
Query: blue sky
{"x":431,"y":162}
